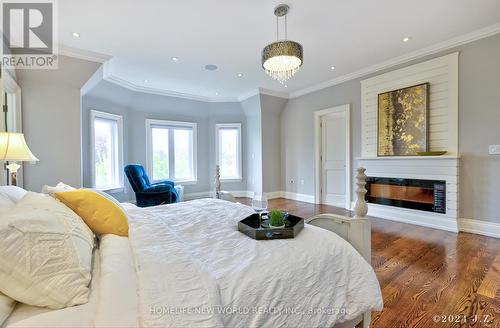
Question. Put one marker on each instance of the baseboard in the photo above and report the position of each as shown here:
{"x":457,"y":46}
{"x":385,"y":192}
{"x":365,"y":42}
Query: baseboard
{"x":198,"y":195}
{"x":210,"y":194}
{"x":490,"y":229}
{"x":274,"y":194}
{"x":249,"y":194}
{"x":241,"y":193}
{"x":299,"y":197}
{"x":430,"y":220}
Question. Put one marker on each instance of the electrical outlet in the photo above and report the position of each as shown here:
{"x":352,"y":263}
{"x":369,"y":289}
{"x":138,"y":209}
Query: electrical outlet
{"x":302,"y":182}
{"x":494,"y":149}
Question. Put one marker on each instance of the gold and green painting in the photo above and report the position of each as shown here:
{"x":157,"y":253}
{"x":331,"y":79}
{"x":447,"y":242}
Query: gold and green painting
{"x":402,"y":121}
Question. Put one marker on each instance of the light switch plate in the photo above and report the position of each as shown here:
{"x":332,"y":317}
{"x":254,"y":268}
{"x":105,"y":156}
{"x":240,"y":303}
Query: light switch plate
{"x":494,"y":149}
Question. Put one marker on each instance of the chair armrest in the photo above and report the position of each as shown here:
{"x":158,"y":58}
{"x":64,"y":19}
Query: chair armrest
{"x":158,"y":188}
{"x":164,"y":182}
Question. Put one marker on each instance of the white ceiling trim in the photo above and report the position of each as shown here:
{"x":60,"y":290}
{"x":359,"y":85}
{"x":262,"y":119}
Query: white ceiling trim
{"x":83,"y":54}
{"x":262,"y":91}
{"x":466,"y":38}
{"x":108,"y":76}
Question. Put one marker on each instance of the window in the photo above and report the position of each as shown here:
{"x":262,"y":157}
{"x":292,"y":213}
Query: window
{"x":171,"y":150}
{"x":228,"y":150}
{"x":107,"y":150}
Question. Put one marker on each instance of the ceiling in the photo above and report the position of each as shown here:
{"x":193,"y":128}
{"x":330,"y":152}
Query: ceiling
{"x":142,"y":36}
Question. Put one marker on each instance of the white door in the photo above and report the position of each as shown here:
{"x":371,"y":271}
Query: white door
{"x":334,"y":158}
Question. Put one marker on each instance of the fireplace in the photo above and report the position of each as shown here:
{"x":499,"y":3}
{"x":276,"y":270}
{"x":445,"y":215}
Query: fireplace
{"x":417,"y":194}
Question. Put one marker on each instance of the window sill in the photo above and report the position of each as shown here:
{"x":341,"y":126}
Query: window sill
{"x":231,"y":179}
{"x":186,"y":182}
{"x":113,"y":190}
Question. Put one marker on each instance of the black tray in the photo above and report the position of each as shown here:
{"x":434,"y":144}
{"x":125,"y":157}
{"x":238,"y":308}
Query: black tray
{"x":253,"y":228}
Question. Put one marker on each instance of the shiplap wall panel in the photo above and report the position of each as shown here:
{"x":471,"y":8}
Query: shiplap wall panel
{"x":442,"y":74}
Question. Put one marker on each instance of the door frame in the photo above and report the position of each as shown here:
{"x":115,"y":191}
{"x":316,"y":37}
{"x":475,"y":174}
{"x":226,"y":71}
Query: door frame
{"x":318,"y":147}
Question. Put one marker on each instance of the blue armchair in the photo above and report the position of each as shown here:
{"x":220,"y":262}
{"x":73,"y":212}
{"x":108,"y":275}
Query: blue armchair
{"x":146,"y":193}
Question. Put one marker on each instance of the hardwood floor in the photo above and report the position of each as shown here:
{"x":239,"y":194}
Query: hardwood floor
{"x":426,"y":275}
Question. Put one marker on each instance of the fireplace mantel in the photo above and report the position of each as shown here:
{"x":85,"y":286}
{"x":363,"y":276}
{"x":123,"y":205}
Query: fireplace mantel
{"x":445,"y":168}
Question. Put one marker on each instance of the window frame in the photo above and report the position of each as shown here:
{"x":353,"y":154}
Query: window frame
{"x":119,"y":123}
{"x":149,"y":148}
{"x":237,"y":126}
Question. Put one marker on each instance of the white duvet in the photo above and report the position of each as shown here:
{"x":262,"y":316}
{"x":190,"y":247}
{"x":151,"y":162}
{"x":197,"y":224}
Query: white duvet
{"x":195,"y":269}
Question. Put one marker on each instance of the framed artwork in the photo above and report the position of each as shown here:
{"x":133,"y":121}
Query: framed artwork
{"x":402,"y":121}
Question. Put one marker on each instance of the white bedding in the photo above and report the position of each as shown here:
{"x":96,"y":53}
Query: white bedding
{"x":190,"y":257}
{"x":195,"y":268}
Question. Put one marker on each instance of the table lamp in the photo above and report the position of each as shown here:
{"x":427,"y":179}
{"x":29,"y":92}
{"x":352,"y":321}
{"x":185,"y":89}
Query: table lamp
{"x":13,"y":148}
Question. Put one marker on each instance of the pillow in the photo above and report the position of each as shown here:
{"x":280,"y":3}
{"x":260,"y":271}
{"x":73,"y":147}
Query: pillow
{"x":13,"y":192}
{"x":6,"y":202}
{"x":6,"y":306}
{"x":60,"y":187}
{"x":46,"y":253}
{"x":108,"y":196}
{"x":101,"y":215}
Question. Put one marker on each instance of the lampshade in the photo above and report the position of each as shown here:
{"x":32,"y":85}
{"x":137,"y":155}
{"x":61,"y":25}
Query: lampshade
{"x":283,"y":58}
{"x":13,"y":147}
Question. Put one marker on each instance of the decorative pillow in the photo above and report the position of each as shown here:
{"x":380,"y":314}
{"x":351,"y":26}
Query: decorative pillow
{"x":13,"y":192}
{"x":108,"y":196}
{"x":6,"y":306}
{"x":60,"y":187}
{"x":101,"y":215}
{"x":46,"y":252}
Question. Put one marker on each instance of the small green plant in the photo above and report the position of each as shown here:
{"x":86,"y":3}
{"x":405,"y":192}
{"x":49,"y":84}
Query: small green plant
{"x":276,"y":218}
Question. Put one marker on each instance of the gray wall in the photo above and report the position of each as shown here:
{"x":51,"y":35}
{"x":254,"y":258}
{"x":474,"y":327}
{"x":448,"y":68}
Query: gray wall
{"x":271,"y":108}
{"x":253,"y":113}
{"x":479,"y":116}
{"x":479,"y":119}
{"x":51,"y":121}
{"x":136,"y":107}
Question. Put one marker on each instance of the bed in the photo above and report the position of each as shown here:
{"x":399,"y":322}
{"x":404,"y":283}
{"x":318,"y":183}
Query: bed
{"x":186,"y":265}
{"x":229,"y":272}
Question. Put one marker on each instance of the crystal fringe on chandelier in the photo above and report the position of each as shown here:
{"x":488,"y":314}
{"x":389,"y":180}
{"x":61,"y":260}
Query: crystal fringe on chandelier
{"x":282,"y":59}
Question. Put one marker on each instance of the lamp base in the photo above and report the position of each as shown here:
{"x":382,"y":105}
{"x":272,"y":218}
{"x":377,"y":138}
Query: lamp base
{"x":13,"y":167}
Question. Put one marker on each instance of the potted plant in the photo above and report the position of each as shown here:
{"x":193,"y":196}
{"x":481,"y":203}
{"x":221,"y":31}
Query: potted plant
{"x":277,"y":219}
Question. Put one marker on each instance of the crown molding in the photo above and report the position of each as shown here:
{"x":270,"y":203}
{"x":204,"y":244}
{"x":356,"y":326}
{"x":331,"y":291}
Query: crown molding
{"x":161,"y":92}
{"x":278,"y":94}
{"x":83,"y":54}
{"x":451,"y":43}
{"x":262,"y":91}
{"x":248,"y":95}
{"x":442,"y":46}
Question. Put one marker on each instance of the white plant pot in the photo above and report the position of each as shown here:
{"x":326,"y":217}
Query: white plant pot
{"x":276,"y":227}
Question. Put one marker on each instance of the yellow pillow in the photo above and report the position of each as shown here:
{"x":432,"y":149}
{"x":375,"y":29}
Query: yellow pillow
{"x":99,"y":213}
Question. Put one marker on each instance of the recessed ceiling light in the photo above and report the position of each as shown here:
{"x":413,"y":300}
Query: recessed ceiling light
{"x":240,"y":74}
{"x":406,"y":39}
{"x":146,"y":81}
{"x":211,"y":67}
{"x":175,"y":58}
{"x":332,"y":68}
{"x":216,"y":93}
{"x":76,"y":34}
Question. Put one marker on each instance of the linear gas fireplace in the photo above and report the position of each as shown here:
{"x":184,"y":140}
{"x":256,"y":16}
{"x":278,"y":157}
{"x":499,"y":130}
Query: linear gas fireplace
{"x":417,"y":194}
